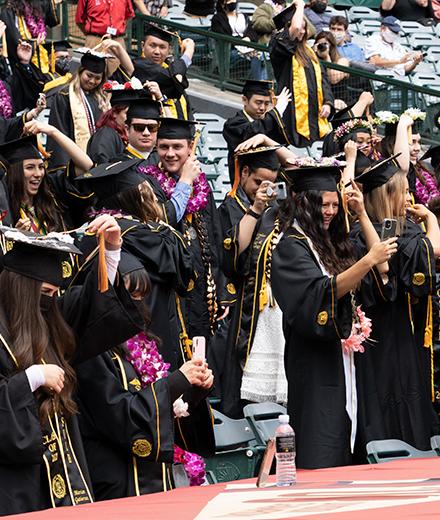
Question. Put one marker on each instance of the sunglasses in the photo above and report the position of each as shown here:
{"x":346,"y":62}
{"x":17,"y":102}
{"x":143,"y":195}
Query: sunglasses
{"x":151,"y":127}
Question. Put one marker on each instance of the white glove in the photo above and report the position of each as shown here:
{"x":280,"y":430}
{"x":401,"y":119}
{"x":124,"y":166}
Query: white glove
{"x":283,"y":100}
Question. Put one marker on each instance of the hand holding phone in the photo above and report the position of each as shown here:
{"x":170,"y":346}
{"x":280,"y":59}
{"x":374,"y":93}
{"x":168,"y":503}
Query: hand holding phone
{"x":389,"y":229}
{"x":199,"y":347}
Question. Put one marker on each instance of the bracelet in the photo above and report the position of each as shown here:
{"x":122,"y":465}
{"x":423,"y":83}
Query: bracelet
{"x":253,"y":213}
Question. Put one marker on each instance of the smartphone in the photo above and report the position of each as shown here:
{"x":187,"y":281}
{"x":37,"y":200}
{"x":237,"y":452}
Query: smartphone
{"x":199,"y":347}
{"x":389,"y":227}
{"x":279,"y":190}
{"x":266,"y":463}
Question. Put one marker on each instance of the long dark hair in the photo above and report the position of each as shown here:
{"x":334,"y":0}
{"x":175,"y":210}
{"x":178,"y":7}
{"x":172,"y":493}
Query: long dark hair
{"x":44,"y":203}
{"x":330,"y":39}
{"x":37,"y":336}
{"x":334,"y":248}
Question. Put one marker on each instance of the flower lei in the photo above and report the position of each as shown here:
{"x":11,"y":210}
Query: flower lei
{"x":360,"y":332}
{"x":303,"y":162}
{"x":6,"y":110}
{"x":416,"y":114}
{"x":35,"y":24}
{"x":386,"y":117}
{"x":427,"y":190}
{"x":200,"y":191}
{"x":349,"y":126}
{"x":148,"y":363}
{"x":133,"y":84}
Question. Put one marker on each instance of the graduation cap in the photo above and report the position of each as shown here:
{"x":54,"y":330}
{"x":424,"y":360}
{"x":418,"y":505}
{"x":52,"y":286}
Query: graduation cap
{"x":93,"y":61}
{"x":378,"y":173}
{"x":42,"y":258}
{"x":317,"y":178}
{"x":158,"y":32}
{"x":108,"y":179}
{"x":261,"y":157}
{"x":144,"y":107}
{"x":284,"y":17}
{"x":57,"y":46}
{"x":434,"y":154}
{"x":20,"y":149}
{"x":362,"y":163}
{"x":128,"y":264}
{"x":259,"y":87}
{"x":171,"y":128}
{"x":343,"y":115}
{"x":123,"y":96}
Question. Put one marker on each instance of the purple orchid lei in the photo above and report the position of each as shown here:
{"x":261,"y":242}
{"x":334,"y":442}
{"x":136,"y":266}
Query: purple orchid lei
{"x":5,"y":102}
{"x":35,"y":24}
{"x":425,"y":191}
{"x":148,"y":363}
{"x":200,"y":192}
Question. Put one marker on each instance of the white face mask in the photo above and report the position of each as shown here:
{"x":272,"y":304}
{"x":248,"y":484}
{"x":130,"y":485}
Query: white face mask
{"x":339,"y":36}
{"x":390,"y":36}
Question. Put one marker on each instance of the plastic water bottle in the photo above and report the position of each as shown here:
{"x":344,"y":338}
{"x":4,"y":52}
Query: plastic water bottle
{"x":285,"y":452}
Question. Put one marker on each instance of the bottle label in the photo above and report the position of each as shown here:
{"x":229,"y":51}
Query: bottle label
{"x":285,"y":444}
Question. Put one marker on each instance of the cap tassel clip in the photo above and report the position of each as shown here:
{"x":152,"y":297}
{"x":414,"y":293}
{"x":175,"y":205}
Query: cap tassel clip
{"x":102,"y":266}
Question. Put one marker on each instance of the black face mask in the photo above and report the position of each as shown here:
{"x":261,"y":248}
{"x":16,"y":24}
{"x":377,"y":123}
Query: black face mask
{"x":319,"y":7}
{"x":46,"y":302}
{"x":62,"y":65}
{"x":232,"y":6}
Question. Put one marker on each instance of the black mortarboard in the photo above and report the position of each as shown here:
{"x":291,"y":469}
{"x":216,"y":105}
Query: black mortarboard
{"x":258,"y":87}
{"x":378,"y":174}
{"x":144,"y":107}
{"x":57,"y":46}
{"x":390,"y":129}
{"x":345,"y":114}
{"x":417,"y":126}
{"x":42,"y":258}
{"x":128,"y":264}
{"x":108,"y":179}
{"x":20,"y":149}
{"x":93,"y":61}
{"x":171,"y":128}
{"x":281,"y":19}
{"x":262,"y":157}
{"x":123,"y":96}
{"x":154,"y":30}
{"x":434,"y":154}
{"x":362,"y":163}
{"x":319,"y":178}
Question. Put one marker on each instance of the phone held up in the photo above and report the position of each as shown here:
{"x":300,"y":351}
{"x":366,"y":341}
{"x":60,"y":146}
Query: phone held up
{"x":279,"y":191}
{"x":199,"y":347}
{"x":389,"y":229}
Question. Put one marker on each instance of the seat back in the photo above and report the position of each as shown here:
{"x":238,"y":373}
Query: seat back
{"x":263,"y":418}
{"x":231,"y":433}
{"x":393,"y":449}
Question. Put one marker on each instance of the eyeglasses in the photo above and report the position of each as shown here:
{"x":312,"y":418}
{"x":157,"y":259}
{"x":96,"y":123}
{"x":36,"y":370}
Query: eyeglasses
{"x":151,"y":127}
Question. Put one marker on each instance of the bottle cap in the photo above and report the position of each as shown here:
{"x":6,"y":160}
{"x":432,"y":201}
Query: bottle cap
{"x":284,"y":419}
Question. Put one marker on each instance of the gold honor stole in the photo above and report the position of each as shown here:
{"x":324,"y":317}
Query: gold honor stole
{"x":172,"y":105}
{"x":301,"y":97}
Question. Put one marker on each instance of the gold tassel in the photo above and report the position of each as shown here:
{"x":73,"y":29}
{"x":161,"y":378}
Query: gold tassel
{"x":52,"y":59}
{"x":41,"y":149}
{"x":428,"y":327}
{"x":236,"y":177}
{"x":102,"y":266}
{"x":195,"y":142}
{"x":263,"y":293}
{"x":344,"y":205}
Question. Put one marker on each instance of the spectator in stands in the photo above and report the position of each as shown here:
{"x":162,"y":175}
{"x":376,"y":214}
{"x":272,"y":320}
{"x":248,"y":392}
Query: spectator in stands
{"x":384,"y":50}
{"x":317,"y":14}
{"x":297,"y":68}
{"x":347,"y":49}
{"x":411,"y":10}
{"x":158,"y":8}
{"x":199,"y":7}
{"x":229,"y":20}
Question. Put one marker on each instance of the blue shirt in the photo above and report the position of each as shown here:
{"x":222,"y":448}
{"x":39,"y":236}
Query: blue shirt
{"x":179,"y":198}
{"x":351,"y":51}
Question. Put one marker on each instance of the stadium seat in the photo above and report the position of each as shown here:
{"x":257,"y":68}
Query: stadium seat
{"x":369,"y":26}
{"x":393,"y":449}
{"x":359,"y":12}
{"x":263,"y":418}
{"x":426,"y":80}
{"x":423,"y":40}
{"x":435,"y":443}
{"x":247,"y":8}
{"x":414,"y":27}
{"x":433,"y":54}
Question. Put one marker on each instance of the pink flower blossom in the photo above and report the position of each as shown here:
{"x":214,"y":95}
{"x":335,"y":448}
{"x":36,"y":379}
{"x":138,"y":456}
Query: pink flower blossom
{"x":35,"y":24}
{"x":360,"y":331}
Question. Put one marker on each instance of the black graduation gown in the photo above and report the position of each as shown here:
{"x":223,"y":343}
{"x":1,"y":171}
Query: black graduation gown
{"x":104,"y":145}
{"x":129,"y":432}
{"x":169,"y":264}
{"x":314,"y":322}
{"x":27,"y":81}
{"x":394,"y":373}
{"x":92,"y":315}
{"x":436,"y":340}
{"x":172,"y":81}
{"x":241,"y":127}
{"x":61,"y":117}
{"x":282,"y":50}
{"x":246,"y":272}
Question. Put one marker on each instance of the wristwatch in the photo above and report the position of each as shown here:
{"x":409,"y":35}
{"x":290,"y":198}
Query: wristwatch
{"x":253,"y":213}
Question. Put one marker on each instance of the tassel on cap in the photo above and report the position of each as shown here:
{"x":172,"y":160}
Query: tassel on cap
{"x":52,"y":59}
{"x":102,"y":266}
{"x":428,"y":327}
{"x":236,"y":177}
{"x":344,"y":206}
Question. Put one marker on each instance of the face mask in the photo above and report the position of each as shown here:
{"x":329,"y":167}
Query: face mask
{"x":62,"y":65}
{"x":319,"y":7}
{"x":339,"y":36}
{"x":390,"y":36}
{"x":232,"y":6}
{"x":46,"y":302}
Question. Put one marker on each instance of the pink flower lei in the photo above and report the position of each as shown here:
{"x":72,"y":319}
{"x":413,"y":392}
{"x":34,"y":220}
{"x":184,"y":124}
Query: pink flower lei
{"x":360,"y":332}
{"x":425,"y":191}
{"x":35,"y":24}
{"x":6,"y":110}
{"x":148,"y":363}
{"x":200,"y":192}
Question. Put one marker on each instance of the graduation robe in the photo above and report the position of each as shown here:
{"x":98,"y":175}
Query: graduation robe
{"x":104,"y":145}
{"x":314,"y":322}
{"x":394,"y":373}
{"x":23,"y":472}
{"x":129,"y":432}
{"x":308,"y":95}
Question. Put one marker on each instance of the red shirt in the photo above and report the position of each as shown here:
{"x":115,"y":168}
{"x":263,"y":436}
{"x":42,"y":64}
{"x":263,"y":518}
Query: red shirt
{"x":97,"y":15}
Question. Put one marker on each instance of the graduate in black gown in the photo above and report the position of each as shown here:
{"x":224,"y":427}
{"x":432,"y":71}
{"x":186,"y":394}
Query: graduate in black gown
{"x":43,"y":337}
{"x":296,"y":67}
{"x":395,"y":388}
{"x":314,"y":269}
{"x":121,"y":189}
{"x":258,"y":116}
{"x":170,"y":76}
{"x":127,"y":419}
